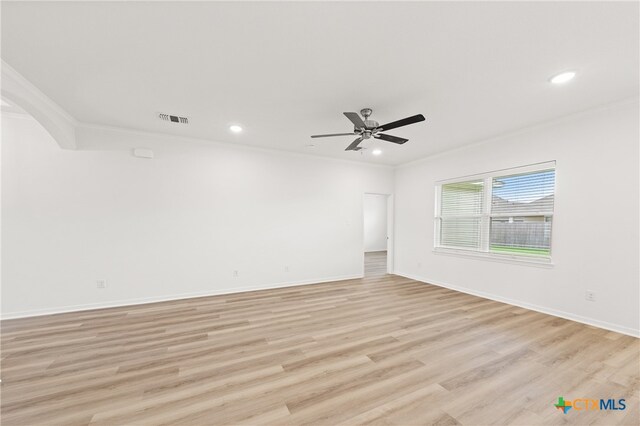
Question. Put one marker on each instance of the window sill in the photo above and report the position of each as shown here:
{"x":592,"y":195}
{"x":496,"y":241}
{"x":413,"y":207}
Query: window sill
{"x":494,"y":257}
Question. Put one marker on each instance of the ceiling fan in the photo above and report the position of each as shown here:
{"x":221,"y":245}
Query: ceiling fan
{"x":366,"y":128}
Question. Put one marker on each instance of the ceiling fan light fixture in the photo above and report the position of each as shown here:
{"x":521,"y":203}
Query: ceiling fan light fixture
{"x":563,"y":77}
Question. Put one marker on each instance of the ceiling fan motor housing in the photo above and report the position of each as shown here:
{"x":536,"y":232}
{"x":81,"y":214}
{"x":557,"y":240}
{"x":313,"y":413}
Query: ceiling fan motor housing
{"x":371,"y":124}
{"x":368,"y":124}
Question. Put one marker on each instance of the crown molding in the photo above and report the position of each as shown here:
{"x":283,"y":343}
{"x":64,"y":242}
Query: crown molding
{"x":89,"y":133}
{"x":22,"y":93}
{"x":627,"y":102}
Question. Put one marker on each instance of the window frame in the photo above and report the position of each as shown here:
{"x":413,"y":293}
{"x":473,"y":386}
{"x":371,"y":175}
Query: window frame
{"x":485,"y":222}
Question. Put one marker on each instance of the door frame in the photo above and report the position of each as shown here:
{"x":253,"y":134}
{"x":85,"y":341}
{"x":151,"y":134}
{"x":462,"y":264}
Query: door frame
{"x":390,"y":230}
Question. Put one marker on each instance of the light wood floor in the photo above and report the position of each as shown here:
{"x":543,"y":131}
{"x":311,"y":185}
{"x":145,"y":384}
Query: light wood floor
{"x":379,"y":350}
{"x":375,"y":263}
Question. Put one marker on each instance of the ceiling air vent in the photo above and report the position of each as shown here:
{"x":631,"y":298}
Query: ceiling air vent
{"x":173,"y":118}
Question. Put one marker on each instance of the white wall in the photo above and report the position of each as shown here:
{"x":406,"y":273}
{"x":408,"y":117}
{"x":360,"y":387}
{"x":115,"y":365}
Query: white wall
{"x":595,"y":225}
{"x":174,"y":226}
{"x":375,"y":222}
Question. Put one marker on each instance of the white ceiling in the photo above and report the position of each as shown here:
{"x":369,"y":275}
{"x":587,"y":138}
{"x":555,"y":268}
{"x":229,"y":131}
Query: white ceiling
{"x":285,"y":71}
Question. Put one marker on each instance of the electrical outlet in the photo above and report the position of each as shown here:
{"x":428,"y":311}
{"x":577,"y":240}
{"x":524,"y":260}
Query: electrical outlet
{"x":590,"y":295}
{"x":101,"y":284}
{"x":235,"y":273}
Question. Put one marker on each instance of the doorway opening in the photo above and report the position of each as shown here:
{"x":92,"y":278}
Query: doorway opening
{"x":377,"y":246}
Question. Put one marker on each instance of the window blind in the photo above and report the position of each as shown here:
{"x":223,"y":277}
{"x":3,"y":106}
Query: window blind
{"x":524,"y":194}
{"x":461,"y":214}
{"x":521,"y":213}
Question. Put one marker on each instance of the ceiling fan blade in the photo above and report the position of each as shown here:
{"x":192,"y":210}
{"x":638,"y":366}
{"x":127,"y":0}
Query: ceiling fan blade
{"x":404,"y":122}
{"x":354,"y":145}
{"x":390,"y":138}
{"x":355,"y":119}
{"x":333,"y":134}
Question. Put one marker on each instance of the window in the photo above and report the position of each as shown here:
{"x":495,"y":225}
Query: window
{"x":508,"y":213}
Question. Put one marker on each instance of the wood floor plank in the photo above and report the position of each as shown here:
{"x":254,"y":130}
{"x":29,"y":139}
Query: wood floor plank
{"x":378,"y":350}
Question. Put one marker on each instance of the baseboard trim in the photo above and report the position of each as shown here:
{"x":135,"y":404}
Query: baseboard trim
{"x":561,"y":314}
{"x":142,"y":301}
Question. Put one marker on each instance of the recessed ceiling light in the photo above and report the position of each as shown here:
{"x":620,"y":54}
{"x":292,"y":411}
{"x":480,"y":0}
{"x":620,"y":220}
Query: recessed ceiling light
{"x":235,"y":128}
{"x":377,"y":152}
{"x":563,"y":77}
